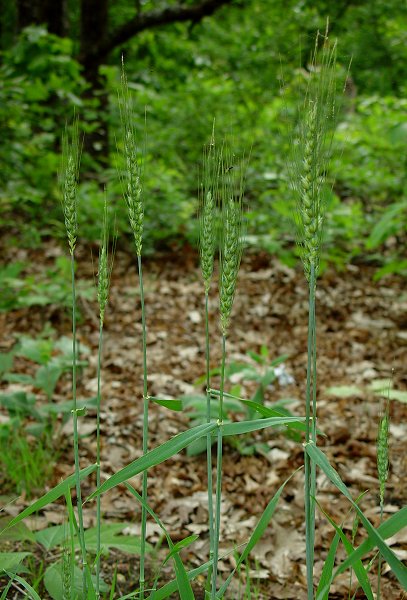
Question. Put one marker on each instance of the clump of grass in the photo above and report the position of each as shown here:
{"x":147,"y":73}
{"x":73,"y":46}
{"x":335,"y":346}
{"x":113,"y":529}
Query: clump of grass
{"x":309,"y":166}
{"x":133,"y":195}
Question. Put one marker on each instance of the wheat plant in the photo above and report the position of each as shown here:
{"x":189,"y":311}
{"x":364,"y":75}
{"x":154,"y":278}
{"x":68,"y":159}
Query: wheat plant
{"x":69,"y":183}
{"x":104,"y":272}
{"x":207,"y":245}
{"x":231,"y":191}
{"x":312,"y":151}
{"x":383,"y":472}
{"x":133,"y":195}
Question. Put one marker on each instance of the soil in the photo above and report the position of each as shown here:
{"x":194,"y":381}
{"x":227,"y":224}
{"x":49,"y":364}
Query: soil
{"x":362,"y":338}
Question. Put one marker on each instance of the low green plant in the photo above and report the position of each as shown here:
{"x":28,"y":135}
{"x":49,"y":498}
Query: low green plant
{"x":29,"y":435}
{"x":43,"y":289}
{"x":57,"y":540}
{"x":27,"y":460}
{"x":261,"y":371}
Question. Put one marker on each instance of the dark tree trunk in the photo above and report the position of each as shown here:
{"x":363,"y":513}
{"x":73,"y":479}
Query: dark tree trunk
{"x":42,"y":12}
{"x":94,"y":28}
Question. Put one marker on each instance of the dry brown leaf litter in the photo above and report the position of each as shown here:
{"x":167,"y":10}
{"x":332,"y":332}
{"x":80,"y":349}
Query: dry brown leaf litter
{"x":361,"y":336}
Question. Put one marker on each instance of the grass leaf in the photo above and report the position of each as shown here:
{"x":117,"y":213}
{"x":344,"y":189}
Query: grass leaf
{"x":56,"y":492}
{"x":154,"y":457}
{"x":399,"y":570}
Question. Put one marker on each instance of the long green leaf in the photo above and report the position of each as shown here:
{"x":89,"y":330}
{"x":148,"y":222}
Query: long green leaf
{"x":257,"y":533}
{"x":171,"y":404}
{"x":56,"y":492}
{"x":390,"y":527}
{"x":256,"y":424}
{"x":172,"y":586}
{"x":154,"y":457}
{"x":182,"y":582}
{"x":399,"y":570}
{"x":358,"y":566}
{"x":31,"y":591}
{"x":326,"y":575}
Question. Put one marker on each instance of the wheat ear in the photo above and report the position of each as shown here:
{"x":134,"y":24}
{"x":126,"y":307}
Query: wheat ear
{"x":133,"y":195}
{"x":133,"y":178}
{"x":207,"y":243}
{"x":69,"y":176}
{"x":231,"y":191}
{"x":312,"y":151}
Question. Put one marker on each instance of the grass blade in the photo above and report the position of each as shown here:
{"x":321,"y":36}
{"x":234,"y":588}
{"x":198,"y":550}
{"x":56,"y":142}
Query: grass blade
{"x":387,"y":529}
{"x":182,"y":580}
{"x":257,"y":533}
{"x":154,"y":457}
{"x":399,"y":570}
{"x":31,"y":592}
{"x":256,"y":424}
{"x":358,"y":566}
{"x":56,"y":492}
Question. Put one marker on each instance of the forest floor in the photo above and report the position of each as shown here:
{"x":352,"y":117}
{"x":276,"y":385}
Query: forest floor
{"x":362,"y":337}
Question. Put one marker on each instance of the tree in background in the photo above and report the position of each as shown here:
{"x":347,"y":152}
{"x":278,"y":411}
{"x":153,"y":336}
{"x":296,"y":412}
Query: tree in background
{"x":98,"y":37}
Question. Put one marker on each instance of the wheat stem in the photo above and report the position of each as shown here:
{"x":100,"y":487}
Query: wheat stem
{"x":219,"y":472}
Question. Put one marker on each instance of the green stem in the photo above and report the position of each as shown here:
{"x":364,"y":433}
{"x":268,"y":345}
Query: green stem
{"x":379,"y":566}
{"x":98,"y":482}
{"x":208,"y":441}
{"x":75,"y":434}
{"x":310,"y":473}
{"x":219,"y":472}
{"x":145,"y":431}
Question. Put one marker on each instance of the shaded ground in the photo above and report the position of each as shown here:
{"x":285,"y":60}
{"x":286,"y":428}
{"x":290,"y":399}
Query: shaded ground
{"x":362,"y":337}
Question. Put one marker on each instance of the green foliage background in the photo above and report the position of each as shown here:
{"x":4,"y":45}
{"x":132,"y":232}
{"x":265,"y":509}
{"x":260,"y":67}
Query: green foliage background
{"x":246,"y":66}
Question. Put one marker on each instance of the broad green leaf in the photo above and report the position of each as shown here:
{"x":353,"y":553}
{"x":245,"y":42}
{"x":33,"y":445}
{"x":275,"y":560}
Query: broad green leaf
{"x":61,"y":408}
{"x":344,"y":391}
{"x":31,"y":592}
{"x":52,"y":536}
{"x":154,"y":457}
{"x":381,"y":385}
{"x":56,"y":492}
{"x":39,"y":351}
{"x":399,"y":395}
{"x":53,"y":580}
{"x":19,"y":532}
{"x":110,"y":538}
{"x":257,"y":533}
{"x":399,"y":570}
{"x":6,"y":362}
{"x":248,"y":426}
{"x":10,"y":561}
{"x":47,"y":377}
{"x":171,"y":404}
{"x":276,"y":412}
